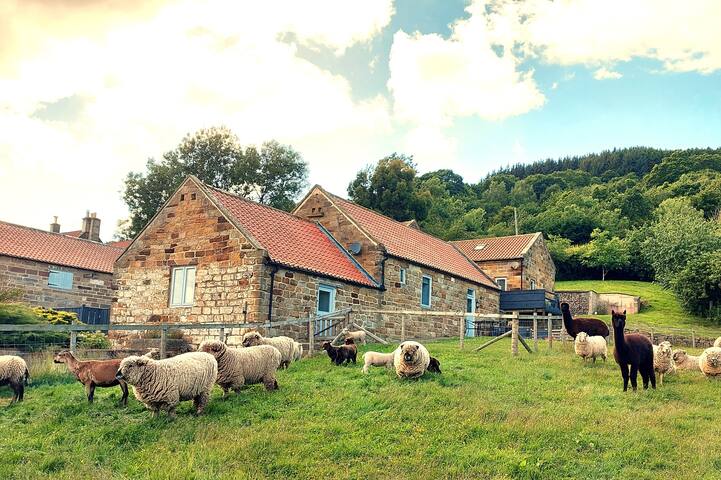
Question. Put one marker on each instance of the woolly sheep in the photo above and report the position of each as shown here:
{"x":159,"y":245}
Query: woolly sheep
{"x":411,"y":359}
{"x":358,"y":336}
{"x":243,"y":366}
{"x":587,"y":346}
{"x":285,"y":345}
{"x":710,"y":362}
{"x":297,"y":351}
{"x":663,"y":360}
{"x":14,"y":373}
{"x":717,"y":343}
{"x":377,"y":359}
{"x":684,"y":361}
{"x":163,"y":384}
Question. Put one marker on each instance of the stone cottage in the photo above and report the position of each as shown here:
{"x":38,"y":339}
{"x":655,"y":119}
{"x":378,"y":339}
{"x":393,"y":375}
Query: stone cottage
{"x":516,"y":262}
{"x":210,"y":256}
{"x":55,"y":270}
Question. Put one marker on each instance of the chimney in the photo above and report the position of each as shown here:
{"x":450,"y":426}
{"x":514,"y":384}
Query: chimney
{"x":91,"y":227}
{"x":55,"y":226}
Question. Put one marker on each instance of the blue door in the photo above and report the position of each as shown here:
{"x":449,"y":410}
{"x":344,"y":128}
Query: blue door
{"x":470,"y":308}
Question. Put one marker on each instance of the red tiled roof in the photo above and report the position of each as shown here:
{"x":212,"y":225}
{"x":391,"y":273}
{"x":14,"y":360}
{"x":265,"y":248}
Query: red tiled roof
{"x":56,"y":248}
{"x":403,"y":241}
{"x":496,"y":248}
{"x":72,"y":233}
{"x":292,"y":241}
{"x":120,"y":243}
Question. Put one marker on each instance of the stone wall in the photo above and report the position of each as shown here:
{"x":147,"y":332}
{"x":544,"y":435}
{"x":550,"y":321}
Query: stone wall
{"x":93,"y":289}
{"x":589,"y":302}
{"x":538,"y":265}
{"x":579,"y":302}
{"x":511,"y":270}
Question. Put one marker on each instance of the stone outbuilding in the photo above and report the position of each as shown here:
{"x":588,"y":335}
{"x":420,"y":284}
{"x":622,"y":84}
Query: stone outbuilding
{"x":516,"y":262}
{"x":55,"y":270}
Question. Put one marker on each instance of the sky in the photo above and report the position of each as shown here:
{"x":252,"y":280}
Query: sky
{"x":91,"y":89}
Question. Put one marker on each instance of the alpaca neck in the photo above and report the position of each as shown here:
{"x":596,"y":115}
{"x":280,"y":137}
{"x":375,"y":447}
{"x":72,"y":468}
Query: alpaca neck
{"x":619,"y":336}
{"x":568,"y":321}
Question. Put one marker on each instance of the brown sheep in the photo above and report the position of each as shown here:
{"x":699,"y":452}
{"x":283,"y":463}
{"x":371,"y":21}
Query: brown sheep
{"x":94,"y":373}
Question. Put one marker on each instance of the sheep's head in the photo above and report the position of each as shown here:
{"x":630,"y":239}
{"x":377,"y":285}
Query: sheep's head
{"x":62,"y":357}
{"x":251,"y":339}
{"x":664,"y":349}
{"x":409,"y":351}
{"x":713,"y":357}
{"x":680,"y":356}
{"x":582,"y":337}
{"x":327,"y":346}
{"x":132,"y":368}
{"x":213,"y":347}
{"x":618,"y":319}
{"x":153,"y":353}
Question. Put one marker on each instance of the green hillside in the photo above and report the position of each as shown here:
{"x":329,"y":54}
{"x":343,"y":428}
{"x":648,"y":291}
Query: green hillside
{"x":487,"y":415}
{"x":663,"y":312}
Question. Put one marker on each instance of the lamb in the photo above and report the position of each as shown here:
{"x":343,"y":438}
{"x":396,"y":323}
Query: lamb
{"x":590,"y":346}
{"x":344,"y":353}
{"x":411,"y":360}
{"x":297,"y":351}
{"x":434,"y":365}
{"x":717,"y":343}
{"x":163,"y":384}
{"x":663,"y":360}
{"x":14,"y":373}
{"x":684,"y":361}
{"x":243,"y":366}
{"x":285,"y":345}
{"x":94,"y":373}
{"x":632,"y":349}
{"x":377,"y":359}
{"x":710,"y":362}
{"x":358,"y":336}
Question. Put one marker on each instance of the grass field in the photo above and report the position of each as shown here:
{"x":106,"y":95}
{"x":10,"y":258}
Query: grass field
{"x":663,"y":311}
{"x":487,"y":415}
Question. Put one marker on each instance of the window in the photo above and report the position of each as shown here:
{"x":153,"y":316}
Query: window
{"x":60,"y":279}
{"x":501,"y":283}
{"x":402,"y":276}
{"x":426,"y":287}
{"x":533,"y":284}
{"x":326,"y":299}
{"x":182,"y":287}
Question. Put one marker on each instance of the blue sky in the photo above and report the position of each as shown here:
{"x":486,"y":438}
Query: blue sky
{"x":90,"y":91}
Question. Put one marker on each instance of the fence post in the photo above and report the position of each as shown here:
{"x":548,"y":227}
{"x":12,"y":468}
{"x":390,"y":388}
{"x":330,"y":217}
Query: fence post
{"x":461,"y":331}
{"x":221,"y":336}
{"x":514,"y":334}
{"x":611,"y":336}
{"x":310,"y":335}
{"x":535,"y":331}
{"x":550,"y":332}
{"x":693,"y":339}
{"x":163,"y":340}
{"x":403,"y":328}
{"x":73,"y":341}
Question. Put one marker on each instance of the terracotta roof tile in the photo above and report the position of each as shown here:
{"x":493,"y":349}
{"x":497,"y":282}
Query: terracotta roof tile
{"x":120,"y":243}
{"x":72,"y":233}
{"x":496,"y":248}
{"x":292,"y":241}
{"x":56,"y":248}
{"x":403,"y":241}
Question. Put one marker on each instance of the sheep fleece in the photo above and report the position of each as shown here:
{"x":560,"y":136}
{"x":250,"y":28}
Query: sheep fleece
{"x":12,"y":369}
{"x":377,"y":359}
{"x":662,"y":358}
{"x":684,"y":361}
{"x":285,"y":345}
{"x":590,"y":346}
{"x":245,"y":366}
{"x":717,"y":343}
{"x":417,"y":366}
{"x":173,"y":380}
{"x":710,"y":361}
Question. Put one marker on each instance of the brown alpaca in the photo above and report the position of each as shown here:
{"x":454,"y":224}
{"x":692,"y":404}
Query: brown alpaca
{"x":94,"y":373}
{"x":635,"y":350}
{"x":574,"y":326}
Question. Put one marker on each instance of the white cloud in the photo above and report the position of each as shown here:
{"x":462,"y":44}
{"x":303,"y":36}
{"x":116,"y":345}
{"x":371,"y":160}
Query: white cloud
{"x":684,"y":36}
{"x":604,"y":73}
{"x":148,"y":77}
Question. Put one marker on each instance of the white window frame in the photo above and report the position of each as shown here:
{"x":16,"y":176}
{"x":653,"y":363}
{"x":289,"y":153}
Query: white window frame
{"x":430,"y":291}
{"x":403,"y":276}
{"x":62,"y":273}
{"x":184,"y":302}
{"x":331,"y":303}
{"x":533,"y":284}
{"x":505,"y":283}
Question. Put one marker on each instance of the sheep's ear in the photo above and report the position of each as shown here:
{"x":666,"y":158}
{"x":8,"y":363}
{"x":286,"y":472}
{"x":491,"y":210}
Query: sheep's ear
{"x":142,"y":361}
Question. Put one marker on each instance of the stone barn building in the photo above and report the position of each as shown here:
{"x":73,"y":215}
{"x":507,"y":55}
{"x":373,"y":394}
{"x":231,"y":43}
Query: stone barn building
{"x":55,"y":270}
{"x":516,"y":262}
{"x":210,"y":256}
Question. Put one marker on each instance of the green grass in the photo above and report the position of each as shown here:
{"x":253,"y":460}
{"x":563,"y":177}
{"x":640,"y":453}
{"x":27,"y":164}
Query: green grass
{"x":663,"y":311}
{"x":487,"y":416}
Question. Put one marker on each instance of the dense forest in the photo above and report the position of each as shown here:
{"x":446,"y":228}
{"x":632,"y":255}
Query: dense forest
{"x":633,"y":213}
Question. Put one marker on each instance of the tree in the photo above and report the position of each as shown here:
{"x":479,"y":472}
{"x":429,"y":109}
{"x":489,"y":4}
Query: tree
{"x":698,"y":285}
{"x":605,"y":252}
{"x":273,"y":175}
{"x":389,"y":187}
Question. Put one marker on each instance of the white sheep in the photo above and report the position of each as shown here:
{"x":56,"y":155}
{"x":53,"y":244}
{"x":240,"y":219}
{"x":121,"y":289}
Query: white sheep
{"x":663,"y":360}
{"x":590,"y":346}
{"x":358,"y":336}
{"x":377,"y":359}
{"x":411,"y":360}
{"x":163,"y":384}
{"x":14,"y":373}
{"x":285,"y":345}
{"x":684,"y":361}
{"x":717,"y":343}
{"x":243,"y":366}
{"x":297,"y":351}
{"x":710,"y":362}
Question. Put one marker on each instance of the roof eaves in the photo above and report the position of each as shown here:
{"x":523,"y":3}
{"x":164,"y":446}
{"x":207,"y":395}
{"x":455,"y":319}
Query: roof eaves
{"x":530,"y":243}
{"x":475,"y":265}
{"x":349,"y":256}
{"x":63,"y":264}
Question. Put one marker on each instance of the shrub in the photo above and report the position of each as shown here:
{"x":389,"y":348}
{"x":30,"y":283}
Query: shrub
{"x":96,"y":341}
{"x":19,"y":314}
{"x":698,"y":285}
